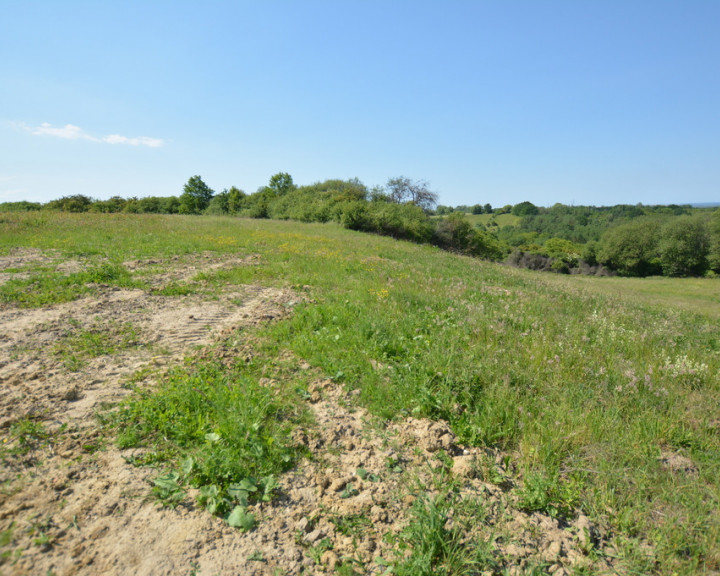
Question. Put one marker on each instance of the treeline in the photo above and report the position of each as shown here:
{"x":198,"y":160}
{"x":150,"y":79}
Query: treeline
{"x":403,"y":209}
{"x":624,"y":239}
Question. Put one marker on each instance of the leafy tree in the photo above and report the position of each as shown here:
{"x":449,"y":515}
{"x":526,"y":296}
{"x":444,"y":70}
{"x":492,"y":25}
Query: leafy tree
{"x":684,"y":247}
{"x":561,"y":248}
{"x":75,"y":203}
{"x":477,"y":209}
{"x":525,"y":209}
{"x":632,"y":248}
{"x":378,"y":194}
{"x":235,"y":200}
{"x":152,"y":205}
{"x":281,"y":183}
{"x":403,"y":190}
{"x":456,"y":233}
{"x":714,"y":248}
{"x":219,"y":204}
{"x":21,"y":206}
{"x":453,"y":232}
{"x":488,"y":209}
{"x":109,"y":206}
{"x":171,"y":205}
{"x":195,"y":197}
{"x":589,"y":253}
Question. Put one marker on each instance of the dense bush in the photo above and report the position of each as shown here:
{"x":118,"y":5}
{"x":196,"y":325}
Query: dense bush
{"x":714,"y":242}
{"x":402,"y":221}
{"x":683,"y":247}
{"x":22,"y":206}
{"x":457,"y":234}
{"x":76,"y":203}
{"x":632,"y":248}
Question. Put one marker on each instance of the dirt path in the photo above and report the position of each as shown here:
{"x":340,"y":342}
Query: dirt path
{"x":76,"y":506}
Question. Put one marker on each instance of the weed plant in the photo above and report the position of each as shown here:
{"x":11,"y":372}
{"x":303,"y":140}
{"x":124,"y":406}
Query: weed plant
{"x":589,"y":383}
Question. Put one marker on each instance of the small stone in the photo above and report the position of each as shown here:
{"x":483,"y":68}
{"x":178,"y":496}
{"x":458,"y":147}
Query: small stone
{"x":447,"y":441}
{"x":338,"y":484}
{"x":303,"y":524}
{"x":463,"y":467}
{"x":314,"y":536}
{"x":329,"y":559}
{"x":552,"y":552}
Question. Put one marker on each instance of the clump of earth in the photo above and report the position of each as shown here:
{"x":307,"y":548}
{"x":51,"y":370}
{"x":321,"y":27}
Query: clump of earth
{"x":76,"y":505}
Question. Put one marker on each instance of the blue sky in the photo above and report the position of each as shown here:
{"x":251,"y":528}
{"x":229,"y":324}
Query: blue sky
{"x":572,"y":101}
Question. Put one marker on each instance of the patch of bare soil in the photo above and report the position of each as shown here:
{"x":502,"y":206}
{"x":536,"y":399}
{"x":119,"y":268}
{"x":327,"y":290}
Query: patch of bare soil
{"x":76,"y":506}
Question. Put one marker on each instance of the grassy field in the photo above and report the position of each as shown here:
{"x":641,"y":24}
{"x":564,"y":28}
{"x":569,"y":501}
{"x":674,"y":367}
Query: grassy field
{"x":595,"y":387}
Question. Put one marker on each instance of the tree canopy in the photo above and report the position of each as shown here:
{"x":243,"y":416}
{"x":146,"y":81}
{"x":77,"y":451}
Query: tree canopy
{"x":196,"y":196}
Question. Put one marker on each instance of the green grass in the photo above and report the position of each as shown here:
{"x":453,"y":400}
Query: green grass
{"x":433,"y":548}
{"x":78,"y":344}
{"x":585,"y":381}
{"x":46,"y":287}
{"x":697,"y":295}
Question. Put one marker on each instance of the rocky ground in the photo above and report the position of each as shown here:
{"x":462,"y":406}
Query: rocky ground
{"x":71,"y":503}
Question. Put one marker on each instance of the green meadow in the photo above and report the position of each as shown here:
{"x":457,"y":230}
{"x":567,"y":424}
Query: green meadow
{"x":591,"y":385}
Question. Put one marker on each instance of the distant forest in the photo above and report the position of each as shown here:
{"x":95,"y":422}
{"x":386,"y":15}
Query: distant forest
{"x":627,"y":240}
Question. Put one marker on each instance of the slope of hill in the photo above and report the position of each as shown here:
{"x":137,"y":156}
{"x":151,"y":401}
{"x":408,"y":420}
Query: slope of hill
{"x":321,"y":400}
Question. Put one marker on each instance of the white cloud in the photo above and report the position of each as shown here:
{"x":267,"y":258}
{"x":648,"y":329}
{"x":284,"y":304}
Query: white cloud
{"x":71,"y":132}
{"x":139,"y":141}
{"x":68,"y":132}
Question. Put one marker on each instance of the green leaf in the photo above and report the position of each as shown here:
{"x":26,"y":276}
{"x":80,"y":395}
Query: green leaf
{"x":269,"y":484}
{"x":248,"y":484}
{"x":238,"y":493}
{"x":239,"y":518}
{"x":187,"y":465}
{"x":168,"y":482}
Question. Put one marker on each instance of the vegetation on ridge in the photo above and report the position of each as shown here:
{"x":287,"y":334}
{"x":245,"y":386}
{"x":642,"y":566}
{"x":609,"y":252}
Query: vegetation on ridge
{"x":625,"y":240}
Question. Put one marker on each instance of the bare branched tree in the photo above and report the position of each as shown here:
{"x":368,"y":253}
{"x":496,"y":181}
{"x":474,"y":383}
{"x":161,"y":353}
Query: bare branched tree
{"x":403,"y":189}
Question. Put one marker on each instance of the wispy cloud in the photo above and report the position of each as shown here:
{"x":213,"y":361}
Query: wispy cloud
{"x":139,"y":141}
{"x":71,"y":132}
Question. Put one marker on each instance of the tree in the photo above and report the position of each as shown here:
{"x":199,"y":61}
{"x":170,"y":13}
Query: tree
{"x":235,"y":200}
{"x":416,"y":192}
{"x":219,"y":204}
{"x":195,"y":197}
{"x":488,"y":209}
{"x":714,"y":233}
{"x":525,"y":209}
{"x":281,"y":183}
{"x":75,"y":203}
{"x":109,"y":206}
{"x":632,"y":248}
{"x":683,"y":247}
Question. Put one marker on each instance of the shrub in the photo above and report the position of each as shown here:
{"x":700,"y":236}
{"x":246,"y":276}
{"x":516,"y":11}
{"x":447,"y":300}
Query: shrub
{"x":684,"y":247}
{"x":632,"y":248}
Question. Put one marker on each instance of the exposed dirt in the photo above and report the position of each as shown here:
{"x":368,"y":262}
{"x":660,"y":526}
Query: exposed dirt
{"x":76,"y":506}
